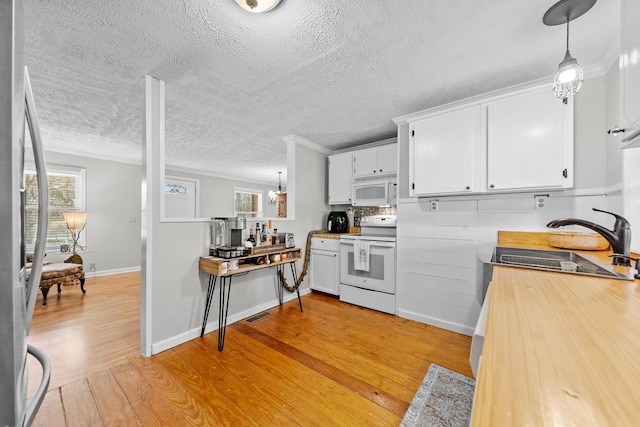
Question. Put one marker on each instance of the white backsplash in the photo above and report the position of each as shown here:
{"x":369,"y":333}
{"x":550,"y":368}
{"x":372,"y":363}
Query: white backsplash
{"x":440,"y":254}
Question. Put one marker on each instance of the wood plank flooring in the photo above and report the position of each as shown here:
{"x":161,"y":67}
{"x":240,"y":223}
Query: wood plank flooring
{"x":333,"y":364}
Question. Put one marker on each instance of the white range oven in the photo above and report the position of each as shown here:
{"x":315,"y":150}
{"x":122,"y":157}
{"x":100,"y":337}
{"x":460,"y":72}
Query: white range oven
{"x":368,"y":264}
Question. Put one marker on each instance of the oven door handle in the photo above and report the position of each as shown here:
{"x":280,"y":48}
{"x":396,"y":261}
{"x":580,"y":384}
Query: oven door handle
{"x":373,"y":244}
{"x":382,"y":244}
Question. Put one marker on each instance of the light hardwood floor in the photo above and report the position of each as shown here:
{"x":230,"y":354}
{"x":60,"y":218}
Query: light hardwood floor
{"x":333,"y":364}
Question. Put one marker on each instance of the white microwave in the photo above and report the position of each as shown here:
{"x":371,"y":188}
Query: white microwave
{"x":374,"y":193}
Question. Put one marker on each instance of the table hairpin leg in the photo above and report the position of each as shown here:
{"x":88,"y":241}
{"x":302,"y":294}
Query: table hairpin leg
{"x":294,"y":273}
{"x":207,"y":305}
{"x":224,"y":310}
{"x":280,"y":268}
{"x":280,"y":275}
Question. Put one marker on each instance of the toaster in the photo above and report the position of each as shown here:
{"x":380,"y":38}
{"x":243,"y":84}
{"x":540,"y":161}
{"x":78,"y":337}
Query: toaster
{"x":288,"y":240}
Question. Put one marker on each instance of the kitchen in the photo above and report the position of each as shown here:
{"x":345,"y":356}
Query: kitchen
{"x":459,"y":226}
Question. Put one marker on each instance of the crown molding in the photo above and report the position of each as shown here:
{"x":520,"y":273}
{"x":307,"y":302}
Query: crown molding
{"x":305,"y":142}
{"x":106,"y":157}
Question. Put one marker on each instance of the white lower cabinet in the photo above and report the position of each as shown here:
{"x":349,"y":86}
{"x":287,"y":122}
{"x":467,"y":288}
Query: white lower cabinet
{"x":324,"y":264}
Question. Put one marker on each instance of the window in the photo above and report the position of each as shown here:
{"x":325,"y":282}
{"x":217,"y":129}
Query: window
{"x":66,"y":193}
{"x":247,"y":203}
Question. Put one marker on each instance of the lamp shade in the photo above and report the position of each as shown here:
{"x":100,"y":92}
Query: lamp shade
{"x":257,"y":6}
{"x":75,"y":220}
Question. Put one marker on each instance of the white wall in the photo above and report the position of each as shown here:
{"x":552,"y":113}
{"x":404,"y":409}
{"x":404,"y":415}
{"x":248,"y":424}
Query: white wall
{"x":178,"y":287}
{"x":113,"y":196}
{"x":441,"y":254}
{"x":216,"y":195}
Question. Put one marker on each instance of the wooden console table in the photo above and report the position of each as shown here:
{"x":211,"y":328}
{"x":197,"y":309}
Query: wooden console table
{"x":214,"y":267}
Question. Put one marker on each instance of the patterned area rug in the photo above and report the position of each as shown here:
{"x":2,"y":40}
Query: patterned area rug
{"x":444,"y":399}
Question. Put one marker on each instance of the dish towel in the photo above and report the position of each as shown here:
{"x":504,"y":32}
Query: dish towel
{"x":361,"y":255}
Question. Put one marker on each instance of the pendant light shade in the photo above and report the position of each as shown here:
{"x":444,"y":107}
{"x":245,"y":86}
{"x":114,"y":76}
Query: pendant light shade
{"x":569,"y":77}
{"x":257,"y":6}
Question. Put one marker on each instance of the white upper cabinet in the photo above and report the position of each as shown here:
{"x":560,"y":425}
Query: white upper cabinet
{"x":529,"y":142}
{"x":340,"y":178}
{"x":515,"y":142}
{"x":375,"y":161}
{"x":630,"y":73}
{"x":387,"y":158}
{"x":446,"y":151}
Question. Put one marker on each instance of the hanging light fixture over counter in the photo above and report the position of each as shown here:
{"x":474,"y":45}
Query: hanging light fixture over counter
{"x":257,"y":6}
{"x":569,"y":77}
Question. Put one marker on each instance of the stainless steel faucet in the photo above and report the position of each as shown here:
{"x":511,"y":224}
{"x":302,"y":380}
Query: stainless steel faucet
{"x":619,"y":238}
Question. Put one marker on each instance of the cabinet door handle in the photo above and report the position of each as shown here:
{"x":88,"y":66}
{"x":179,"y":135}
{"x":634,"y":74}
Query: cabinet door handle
{"x":492,"y":186}
{"x":467,"y":188}
{"x":615,"y":131}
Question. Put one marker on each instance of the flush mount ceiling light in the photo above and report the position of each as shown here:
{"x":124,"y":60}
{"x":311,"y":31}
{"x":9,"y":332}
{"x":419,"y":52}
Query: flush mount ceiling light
{"x":257,"y":6}
{"x":569,"y":77}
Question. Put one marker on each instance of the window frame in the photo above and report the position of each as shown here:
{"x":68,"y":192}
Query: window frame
{"x":80,"y":197}
{"x":259,"y":193}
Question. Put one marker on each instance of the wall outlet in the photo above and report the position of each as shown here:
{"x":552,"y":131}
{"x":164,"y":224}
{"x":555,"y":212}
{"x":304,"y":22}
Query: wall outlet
{"x":542,"y":200}
{"x":92,"y":266}
{"x":433,"y":205}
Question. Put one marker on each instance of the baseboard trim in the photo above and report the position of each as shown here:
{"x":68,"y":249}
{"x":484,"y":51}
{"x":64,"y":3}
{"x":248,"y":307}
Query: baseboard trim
{"x":101,"y":273}
{"x":212,"y":325}
{"x":439,"y":323}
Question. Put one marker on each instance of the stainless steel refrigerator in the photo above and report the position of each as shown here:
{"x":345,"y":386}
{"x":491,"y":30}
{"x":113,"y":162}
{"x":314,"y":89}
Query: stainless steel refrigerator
{"x":17,"y":293}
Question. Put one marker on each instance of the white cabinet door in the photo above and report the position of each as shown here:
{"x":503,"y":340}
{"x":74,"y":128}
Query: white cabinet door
{"x":381,"y":160}
{"x":340,"y":178}
{"x":630,"y":72}
{"x":529,"y":142}
{"x":387,"y":158}
{"x":445,"y":153}
{"x":365,"y":162}
{"x":324,"y":271}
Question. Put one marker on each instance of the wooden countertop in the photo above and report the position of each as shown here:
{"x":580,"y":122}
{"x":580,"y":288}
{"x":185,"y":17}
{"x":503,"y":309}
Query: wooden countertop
{"x":560,"y":350}
{"x":327,"y":235}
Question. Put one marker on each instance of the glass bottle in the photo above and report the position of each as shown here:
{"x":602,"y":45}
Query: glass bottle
{"x":258,"y":235}
{"x":251,"y":238}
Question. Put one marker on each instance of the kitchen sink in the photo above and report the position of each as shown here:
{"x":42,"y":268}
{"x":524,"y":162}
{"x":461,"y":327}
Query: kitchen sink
{"x":561,"y":261}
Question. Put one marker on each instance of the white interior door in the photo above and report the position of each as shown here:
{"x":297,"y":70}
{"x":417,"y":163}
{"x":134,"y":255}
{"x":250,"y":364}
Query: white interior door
{"x":181,"y":197}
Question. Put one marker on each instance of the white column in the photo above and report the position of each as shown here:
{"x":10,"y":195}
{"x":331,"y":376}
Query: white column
{"x":152,"y":171}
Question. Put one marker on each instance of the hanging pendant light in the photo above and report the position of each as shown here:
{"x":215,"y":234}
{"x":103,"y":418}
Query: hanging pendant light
{"x":279,"y":183}
{"x":257,"y":6}
{"x":569,"y":77}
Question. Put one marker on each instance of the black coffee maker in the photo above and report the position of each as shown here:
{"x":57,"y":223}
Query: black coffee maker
{"x":338,"y":222}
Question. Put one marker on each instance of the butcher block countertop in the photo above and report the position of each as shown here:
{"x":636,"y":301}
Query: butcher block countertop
{"x":327,"y":235}
{"x":560,"y":349}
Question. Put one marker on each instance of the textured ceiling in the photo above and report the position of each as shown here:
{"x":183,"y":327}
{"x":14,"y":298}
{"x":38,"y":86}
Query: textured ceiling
{"x":333,"y":72}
